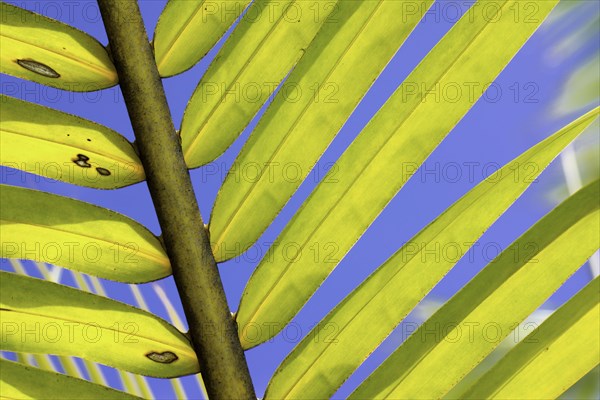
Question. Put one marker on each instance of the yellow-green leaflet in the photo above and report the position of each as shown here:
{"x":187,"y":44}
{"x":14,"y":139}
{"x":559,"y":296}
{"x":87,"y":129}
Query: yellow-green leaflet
{"x":554,"y":357}
{"x":378,"y":163}
{"x":131,"y":382}
{"x":332,"y":77}
{"x":474,"y":322}
{"x":47,"y":51}
{"x":188,"y":29}
{"x":69,"y":233}
{"x":263,"y":48}
{"x":370,"y":313}
{"x":64,"y":321}
{"x":65,"y":147}
{"x":21,"y":381}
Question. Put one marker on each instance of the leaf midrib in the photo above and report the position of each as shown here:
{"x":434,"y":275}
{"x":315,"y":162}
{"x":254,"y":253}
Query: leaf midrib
{"x":180,"y":32}
{"x":149,"y":256}
{"x":77,"y":148}
{"x":62,"y":318}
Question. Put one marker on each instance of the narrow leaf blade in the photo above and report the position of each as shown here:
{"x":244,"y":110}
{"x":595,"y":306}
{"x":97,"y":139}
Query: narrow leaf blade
{"x":187,"y":30}
{"x":535,"y":368}
{"x":72,"y":234}
{"x":261,"y":51}
{"x":404,"y":132}
{"x":64,"y":147}
{"x":49,"y":52}
{"x":20,"y":381}
{"x":474,"y":322}
{"x":372,"y":310}
{"x":43,"y":317}
{"x":333,"y":77}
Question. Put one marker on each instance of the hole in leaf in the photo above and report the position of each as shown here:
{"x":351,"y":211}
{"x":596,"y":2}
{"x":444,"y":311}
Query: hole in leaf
{"x":166,"y":357}
{"x":38,"y":68}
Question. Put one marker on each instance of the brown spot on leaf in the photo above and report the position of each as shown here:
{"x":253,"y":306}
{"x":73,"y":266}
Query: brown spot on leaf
{"x":82,"y":161}
{"x":38,"y":68}
{"x":103,"y":171}
{"x":166,"y":357}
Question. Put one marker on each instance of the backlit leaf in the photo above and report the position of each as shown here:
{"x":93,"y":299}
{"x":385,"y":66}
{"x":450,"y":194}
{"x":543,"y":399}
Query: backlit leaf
{"x":188,"y":29}
{"x":263,"y":48}
{"x":329,"y":81}
{"x":69,"y":233}
{"x":553,"y":358}
{"x":64,"y":147}
{"x":474,"y":322}
{"x":64,"y":321}
{"x":21,"y":381}
{"x":378,"y":163}
{"x":47,"y":51}
{"x":370,"y":313}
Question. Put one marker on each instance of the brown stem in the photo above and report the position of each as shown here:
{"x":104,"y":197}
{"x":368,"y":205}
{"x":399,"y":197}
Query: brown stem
{"x":213,"y":331}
